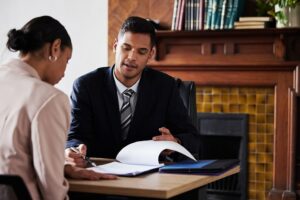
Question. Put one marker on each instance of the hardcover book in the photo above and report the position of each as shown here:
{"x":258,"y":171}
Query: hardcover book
{"x":209,"y":167}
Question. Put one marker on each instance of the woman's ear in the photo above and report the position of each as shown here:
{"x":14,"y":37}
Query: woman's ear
{"x":55,"y":49}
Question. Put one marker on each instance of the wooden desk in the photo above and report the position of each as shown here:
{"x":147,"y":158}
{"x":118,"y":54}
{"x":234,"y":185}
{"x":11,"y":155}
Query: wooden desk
{"x":153,"y":185}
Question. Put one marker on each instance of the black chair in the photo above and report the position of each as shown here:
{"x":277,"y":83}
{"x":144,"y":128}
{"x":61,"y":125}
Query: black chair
{"x":15,"y":187}
{"x":187,"y":91}
{"x":224,"y":136}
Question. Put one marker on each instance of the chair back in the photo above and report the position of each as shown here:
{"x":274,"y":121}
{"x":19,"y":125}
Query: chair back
{"x":12,"y":187}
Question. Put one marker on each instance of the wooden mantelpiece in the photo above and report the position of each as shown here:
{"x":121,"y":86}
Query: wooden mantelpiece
{"x":262,"y":58}
{"x":227,"y":46}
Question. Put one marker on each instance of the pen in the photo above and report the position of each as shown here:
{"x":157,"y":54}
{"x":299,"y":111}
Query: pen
{"x":84,"y":157}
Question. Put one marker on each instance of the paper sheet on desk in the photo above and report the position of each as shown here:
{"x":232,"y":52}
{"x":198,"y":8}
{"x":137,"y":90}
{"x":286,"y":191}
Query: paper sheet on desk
{"x":140,"y":157}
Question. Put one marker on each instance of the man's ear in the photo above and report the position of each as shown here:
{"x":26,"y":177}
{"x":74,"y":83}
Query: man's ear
{"x":152,"y":53}
{"x":55,"y":48}
{"x":115,"y":45}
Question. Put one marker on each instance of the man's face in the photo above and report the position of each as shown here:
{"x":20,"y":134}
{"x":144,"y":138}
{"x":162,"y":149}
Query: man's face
{"x":132,"y":52}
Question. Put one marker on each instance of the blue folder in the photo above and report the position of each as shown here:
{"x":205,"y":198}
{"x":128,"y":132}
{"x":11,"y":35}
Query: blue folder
{"x":210,"y":167}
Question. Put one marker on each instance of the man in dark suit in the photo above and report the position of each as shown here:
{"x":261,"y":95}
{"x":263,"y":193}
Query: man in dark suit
{"x":104,"y":121}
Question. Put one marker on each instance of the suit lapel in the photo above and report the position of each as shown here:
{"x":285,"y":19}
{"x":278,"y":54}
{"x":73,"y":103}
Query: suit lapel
{"x":112,"y":105}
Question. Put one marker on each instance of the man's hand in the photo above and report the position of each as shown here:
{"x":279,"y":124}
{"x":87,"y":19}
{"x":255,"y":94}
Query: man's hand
{"x":81,"y":173}
{"x":74,"y":158}
{"x":165,"y":135}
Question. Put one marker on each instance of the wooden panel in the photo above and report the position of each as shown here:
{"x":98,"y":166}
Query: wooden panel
{"x":119,"y":10}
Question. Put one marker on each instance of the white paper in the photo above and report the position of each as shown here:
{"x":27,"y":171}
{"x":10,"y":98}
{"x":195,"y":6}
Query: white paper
{"x":140,"y":157}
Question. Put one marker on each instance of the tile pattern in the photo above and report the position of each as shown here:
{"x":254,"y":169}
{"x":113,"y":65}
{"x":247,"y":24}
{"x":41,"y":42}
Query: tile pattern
{"x":258,"y":103}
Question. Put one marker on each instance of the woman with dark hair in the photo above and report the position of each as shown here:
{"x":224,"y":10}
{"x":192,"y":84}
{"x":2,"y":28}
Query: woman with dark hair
{"x":34,"y":115}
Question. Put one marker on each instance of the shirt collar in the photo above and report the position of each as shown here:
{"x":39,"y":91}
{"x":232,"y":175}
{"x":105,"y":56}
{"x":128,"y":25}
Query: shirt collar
{"x":121,"y":87}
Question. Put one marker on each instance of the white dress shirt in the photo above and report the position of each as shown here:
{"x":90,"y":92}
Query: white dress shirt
{"x":34,"y":119}
{"x":121,"y":88}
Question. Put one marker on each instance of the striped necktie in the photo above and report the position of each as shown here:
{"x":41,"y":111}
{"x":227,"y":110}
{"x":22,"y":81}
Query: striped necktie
{"x":126,"y":112}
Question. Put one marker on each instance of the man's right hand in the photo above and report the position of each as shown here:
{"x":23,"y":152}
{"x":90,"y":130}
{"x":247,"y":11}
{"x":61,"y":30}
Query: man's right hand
{"x":74,"y":158}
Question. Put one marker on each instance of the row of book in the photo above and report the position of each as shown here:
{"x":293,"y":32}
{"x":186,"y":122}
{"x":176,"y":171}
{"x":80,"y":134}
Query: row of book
{"x":205,"y":14}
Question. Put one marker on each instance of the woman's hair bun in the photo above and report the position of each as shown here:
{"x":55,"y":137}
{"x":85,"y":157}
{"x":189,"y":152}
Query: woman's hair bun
{"x":16,"y":40}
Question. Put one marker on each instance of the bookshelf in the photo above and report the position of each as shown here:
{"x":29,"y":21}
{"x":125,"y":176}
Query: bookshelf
{"x":254,"y":57}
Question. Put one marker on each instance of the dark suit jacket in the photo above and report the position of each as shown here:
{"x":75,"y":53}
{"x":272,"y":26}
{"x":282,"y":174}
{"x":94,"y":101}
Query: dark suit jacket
{"x":96,"y":116}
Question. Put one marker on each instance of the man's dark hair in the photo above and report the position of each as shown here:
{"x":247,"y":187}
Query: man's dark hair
{"x":136,"y":24}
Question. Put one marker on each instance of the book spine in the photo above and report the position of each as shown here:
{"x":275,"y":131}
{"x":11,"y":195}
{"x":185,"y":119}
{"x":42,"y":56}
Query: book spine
{"x":201,"y":14}
{"x":223,"y":13}
{"x":233,"y":14}
{"x":175,"y":7}
{"x":209,"y":15}
{"x":181,"y":14}
{"x":214,"y":14}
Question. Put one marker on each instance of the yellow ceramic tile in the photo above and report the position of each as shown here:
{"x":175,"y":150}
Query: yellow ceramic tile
{"x":261,"y":158}
{"x":251,"y":194}
{"x":252,"y":158}
{"x":261,"y":118}
{"x":252,"y":128}
{"x":243,"y":90}
{"x":261,"y":128}
{"x":234,"y":90}
{"x":252,"y":185}
{"x":270,"y":99}
{"x":199,"y":107}
{"x":225,"y":108}
{"x":251,"y":99}
{"x":252,"y":138}
{"x":199,"y":98}
{"x":216,"y":98}
{"x":216,"y":90}
{"x":207,"y":90}
{"x":261,"y":98}
{"x":252,"y":118}
{"x":260,"y":194}
{"x":207,"y":107}
{"x":225,"y":90}
{"x":270,"y":119}
{"x":243,"y":108}
{"x":260,"y":138}
{"x":260,"y":177}
{"x":269,"y":148}
{"x":207,"y":98}
{"x":261,"y":148}
{"x":233,"y":99}
{"x":260,"y":186}
{"x":269,"y":167}
{"x":269,"y":138}
{"x":233,"y":108}
{"x":270,"y":109}
{"x":260,"y":168}
{"x":252,"y":147}
{"x":269,"y":176}
{"x":251,"y":108}
{"x":242,"y":99}
{"x":217,"y":108}
{"x":225,"y":98}
{"x":260,"y":108}
{"x":251,"y":168}
{"x":269,"y":158}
